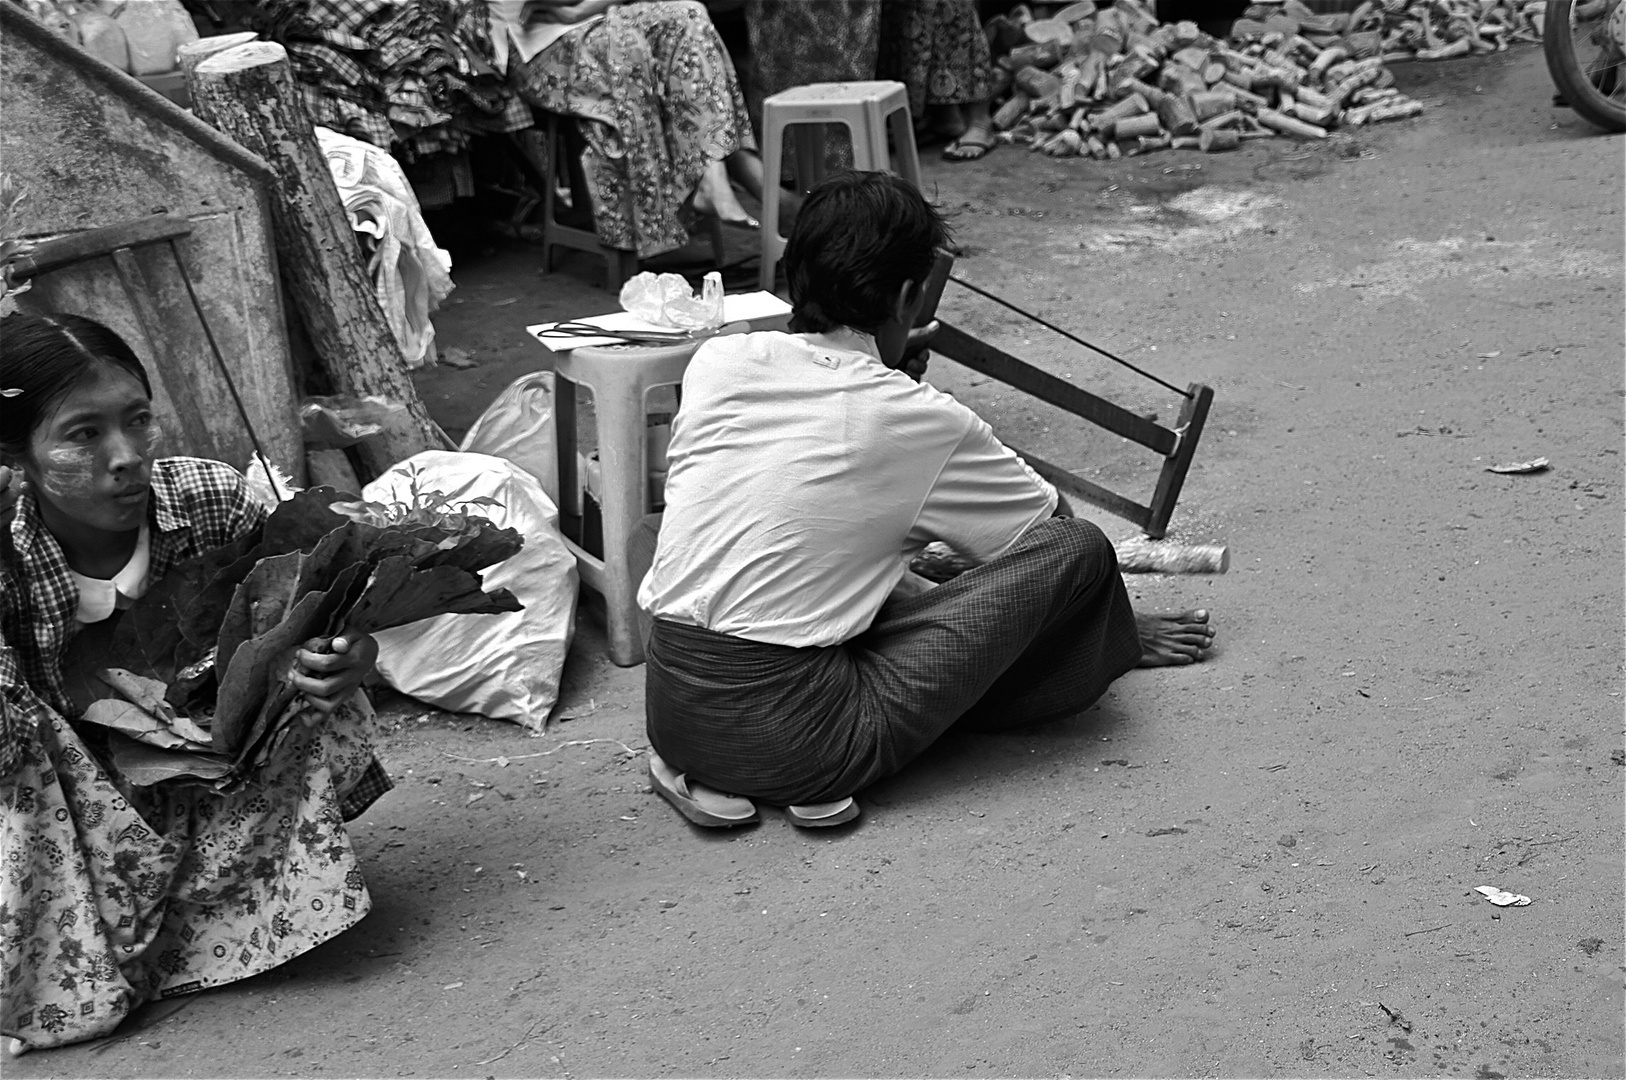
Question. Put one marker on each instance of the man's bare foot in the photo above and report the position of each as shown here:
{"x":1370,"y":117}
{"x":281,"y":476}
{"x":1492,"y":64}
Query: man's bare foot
{"x":1172,"y":640}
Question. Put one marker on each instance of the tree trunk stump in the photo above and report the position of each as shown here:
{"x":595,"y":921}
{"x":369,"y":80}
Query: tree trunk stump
{"x":248,"y":93}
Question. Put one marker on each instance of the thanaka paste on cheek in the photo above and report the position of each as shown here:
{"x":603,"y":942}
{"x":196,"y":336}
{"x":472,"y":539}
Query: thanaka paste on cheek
{"x":155,"y":441}
{"x":69,"y":473}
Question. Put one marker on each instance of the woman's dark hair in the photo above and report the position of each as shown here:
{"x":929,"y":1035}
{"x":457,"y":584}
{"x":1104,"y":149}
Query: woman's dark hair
{"x":44,"y":357}
{"x":858,"y":238}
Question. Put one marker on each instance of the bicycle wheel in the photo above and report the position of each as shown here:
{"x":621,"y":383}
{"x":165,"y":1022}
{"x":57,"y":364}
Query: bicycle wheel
{"x":1585,"y":44}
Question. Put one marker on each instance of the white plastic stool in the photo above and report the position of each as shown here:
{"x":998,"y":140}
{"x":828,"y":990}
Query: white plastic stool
{"x":867,"y":108}
{"x":621,"y":378}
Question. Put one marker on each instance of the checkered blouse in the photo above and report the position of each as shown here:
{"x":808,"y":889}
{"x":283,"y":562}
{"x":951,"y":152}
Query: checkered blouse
{"x":196,"y":506}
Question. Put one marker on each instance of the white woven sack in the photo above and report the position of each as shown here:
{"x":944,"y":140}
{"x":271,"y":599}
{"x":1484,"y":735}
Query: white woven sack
{"x":506,"y":665}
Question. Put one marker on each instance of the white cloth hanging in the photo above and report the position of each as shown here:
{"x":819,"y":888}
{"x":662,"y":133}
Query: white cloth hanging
{"x":411,"y":275}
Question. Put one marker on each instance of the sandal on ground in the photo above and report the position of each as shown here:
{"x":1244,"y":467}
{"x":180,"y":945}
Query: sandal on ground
{"x":697,"y":802}
{"x":821,"y":815}
{"x":969,"y":146}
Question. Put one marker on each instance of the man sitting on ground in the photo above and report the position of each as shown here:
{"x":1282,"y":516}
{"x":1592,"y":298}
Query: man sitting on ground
{"x":786,"y":663}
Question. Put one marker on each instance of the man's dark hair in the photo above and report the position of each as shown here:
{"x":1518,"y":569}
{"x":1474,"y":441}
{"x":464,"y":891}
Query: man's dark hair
{"x":858,"y":238}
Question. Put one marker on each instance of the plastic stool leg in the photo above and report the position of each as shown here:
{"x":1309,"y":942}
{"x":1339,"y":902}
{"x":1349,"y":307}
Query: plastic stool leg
{"x":874,"y":136}
{"x":624,"y":489}
{"x":903,"y":141}
{"x":773,"y":143}
{"x":564,"y":429}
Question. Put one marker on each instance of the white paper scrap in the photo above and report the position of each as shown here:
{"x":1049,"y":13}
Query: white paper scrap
{"x":1501,"y":898}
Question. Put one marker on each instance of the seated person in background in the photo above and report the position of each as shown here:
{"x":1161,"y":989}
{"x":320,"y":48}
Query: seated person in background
{"x":659,"y":105}
{"x":785,"y":663}
{"x":111,"y":894}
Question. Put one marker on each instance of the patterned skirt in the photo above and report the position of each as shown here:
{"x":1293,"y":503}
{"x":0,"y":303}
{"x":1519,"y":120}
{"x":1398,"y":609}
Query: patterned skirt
{"x":937,"y":49}
{"x":105,"y":905}
{"x":658,"y":102}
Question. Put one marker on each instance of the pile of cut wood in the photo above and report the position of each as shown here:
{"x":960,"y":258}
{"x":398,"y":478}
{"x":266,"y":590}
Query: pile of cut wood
{"x":1108,"y":82}
{"x":1401,"y":29}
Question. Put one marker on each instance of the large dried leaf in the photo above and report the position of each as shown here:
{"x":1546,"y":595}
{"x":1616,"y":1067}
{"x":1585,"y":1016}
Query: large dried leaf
{"x":299,"y":523}
{"x":322,"y":621}
{"x":256,"y":668}
{"x":144,"y":765}
{"x":151,"y":632}
{"x":399,"y":594}
{"x":132,"y":720}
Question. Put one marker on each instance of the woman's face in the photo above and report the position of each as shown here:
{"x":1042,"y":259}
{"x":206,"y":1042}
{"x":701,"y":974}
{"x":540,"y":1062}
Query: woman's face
{"x":90,"y":459}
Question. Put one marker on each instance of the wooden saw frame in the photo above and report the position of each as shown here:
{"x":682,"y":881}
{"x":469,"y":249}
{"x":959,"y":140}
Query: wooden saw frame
{"x":1176,"y":445}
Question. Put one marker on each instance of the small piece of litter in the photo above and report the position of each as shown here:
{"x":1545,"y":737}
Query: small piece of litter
{"x":458,"y":358}
{"x":1501,"y":898}
{"x":451,"y":986}
{"x":1490,"y":355}
{"x":504,"y":302}
{"x":1534,"y":465}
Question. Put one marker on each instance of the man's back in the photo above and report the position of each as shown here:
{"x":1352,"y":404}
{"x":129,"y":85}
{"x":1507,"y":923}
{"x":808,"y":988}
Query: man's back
{"x":803,"y":474}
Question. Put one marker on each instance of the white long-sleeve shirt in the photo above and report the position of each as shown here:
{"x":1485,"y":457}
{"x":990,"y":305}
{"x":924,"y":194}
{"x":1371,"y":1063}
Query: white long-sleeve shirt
{"x":804,"y":474}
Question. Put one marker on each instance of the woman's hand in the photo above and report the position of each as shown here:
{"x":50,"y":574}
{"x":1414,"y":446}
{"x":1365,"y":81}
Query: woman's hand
{"x":331,"y":669}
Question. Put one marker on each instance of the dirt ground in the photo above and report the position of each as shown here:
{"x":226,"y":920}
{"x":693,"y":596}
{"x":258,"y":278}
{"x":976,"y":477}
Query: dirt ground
{"x":1261,"y":866}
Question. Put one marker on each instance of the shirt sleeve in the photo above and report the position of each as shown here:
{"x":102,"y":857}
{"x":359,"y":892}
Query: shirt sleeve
{"x":984,"y":498}
{"x":21,"y":712}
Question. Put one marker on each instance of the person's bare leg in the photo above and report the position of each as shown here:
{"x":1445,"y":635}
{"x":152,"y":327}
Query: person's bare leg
{"x":1172,"y":640}
{"x":977,"y":138}
{"x":714,"y":195}
{"x":745,"y":169}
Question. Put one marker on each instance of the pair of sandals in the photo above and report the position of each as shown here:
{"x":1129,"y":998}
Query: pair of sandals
{"x":715,"y":809}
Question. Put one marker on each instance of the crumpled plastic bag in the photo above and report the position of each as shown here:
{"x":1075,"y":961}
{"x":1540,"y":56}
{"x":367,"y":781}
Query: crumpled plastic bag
{"x":341,"y":420}
{"x":667,"y":300}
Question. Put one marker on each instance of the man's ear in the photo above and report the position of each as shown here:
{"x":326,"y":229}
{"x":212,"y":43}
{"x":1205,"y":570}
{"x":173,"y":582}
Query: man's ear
{"x":903,"y":307}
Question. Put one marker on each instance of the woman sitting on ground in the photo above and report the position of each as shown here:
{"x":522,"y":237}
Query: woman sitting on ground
{"x":659,"y":104}
{"x":111,"y":894}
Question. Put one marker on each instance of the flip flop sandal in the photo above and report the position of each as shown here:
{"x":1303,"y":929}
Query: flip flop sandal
{"x":982,"y":146}
{"x":821,"y":815}
{"x":697,"y":802}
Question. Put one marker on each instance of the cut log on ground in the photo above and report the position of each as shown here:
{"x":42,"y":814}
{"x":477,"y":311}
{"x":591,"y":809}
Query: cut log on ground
{"x":1139,"y":555}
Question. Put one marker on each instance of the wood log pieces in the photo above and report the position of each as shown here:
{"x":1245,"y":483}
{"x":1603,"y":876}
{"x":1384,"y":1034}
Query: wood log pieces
{"x":194,"y":53}
{"x":1141,"y":555}
{"x":1290,"y":125}
{"x":1213,"y":140}
{"x":1384,"y":110}
{"x":249,"y":94}
{"x":1210,"y":103}
{"x":1177,"y":115}
{"x":1303,"y":71}
{"x":1037,"y":83}
{"x":1177,"y":78}
{"x":1135,"y":127}
{"x":1013,"y":110}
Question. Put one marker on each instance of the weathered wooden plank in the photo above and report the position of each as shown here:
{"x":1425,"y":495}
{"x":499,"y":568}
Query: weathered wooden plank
{"x":1073,"y":484}
{"x":957,"y":345}
{"x":1193,"y":415}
